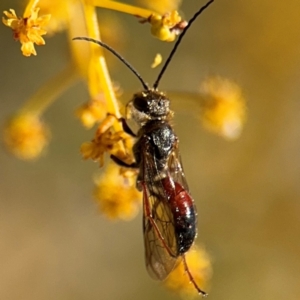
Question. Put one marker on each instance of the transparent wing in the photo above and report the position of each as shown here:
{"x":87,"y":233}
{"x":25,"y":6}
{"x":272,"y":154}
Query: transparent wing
{"x":158,"y":237}
{"x":161,"y":252}
{"x":175,"y":168}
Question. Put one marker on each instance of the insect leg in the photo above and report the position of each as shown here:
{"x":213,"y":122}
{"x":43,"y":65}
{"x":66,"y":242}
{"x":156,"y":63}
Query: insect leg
{"x":121,"y":163}
{"x":125,"y":126}
{"x":192,"y":280}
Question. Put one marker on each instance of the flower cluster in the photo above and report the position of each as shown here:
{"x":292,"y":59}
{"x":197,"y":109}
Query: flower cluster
{"x":26,"y":136}
{"x":116,"y":194}
{"x":223,"y":109}
{"x":27,"y":29}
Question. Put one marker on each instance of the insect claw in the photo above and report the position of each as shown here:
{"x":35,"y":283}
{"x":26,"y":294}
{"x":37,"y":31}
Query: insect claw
{"x":204,"y":295}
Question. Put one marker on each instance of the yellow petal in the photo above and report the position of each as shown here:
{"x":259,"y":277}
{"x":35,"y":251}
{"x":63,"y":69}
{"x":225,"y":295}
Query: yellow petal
{"x":157,"y":61}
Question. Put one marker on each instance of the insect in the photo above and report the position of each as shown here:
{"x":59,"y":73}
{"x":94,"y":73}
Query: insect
{"x":169,"y":212}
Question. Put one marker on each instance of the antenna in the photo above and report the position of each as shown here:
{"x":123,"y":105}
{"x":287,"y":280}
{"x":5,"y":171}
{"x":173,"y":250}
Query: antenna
{"x":155,"y":85}
{"x":122,"y":59}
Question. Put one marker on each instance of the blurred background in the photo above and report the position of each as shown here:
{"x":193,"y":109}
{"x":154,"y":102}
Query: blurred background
{"x":53,"y":242}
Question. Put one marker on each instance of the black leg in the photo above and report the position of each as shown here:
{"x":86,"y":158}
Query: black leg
{"x":121,"y":163}
{"x":125,"y":126}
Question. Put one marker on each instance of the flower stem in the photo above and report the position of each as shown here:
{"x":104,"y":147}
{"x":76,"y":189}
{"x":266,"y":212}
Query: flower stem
{"x":30,"y":6}
{"x":122,"y":7}
{"x":99,"y":79}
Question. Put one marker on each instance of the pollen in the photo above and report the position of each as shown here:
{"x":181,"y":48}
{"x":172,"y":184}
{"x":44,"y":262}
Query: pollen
{"x":116,"y":194}
{"x":26,"y":136}
{"x":157,"y":61}
{"x":199,"y":266}
{"x":224,"y":107}
{"x":27,"y":29}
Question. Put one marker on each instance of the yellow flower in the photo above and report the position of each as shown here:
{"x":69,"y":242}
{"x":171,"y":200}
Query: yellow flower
{"x":224,"y":108}
{"x":166,"y":27}
{"x":199,"y":266}
{"x":166,"y":23}
{"x":107,"y":140}
{"x":27,"y":29}
{"x":116,"y":193}
{"x":26,"y":136}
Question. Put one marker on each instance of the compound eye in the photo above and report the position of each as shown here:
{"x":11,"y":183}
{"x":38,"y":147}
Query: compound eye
{"x":141,"y":104}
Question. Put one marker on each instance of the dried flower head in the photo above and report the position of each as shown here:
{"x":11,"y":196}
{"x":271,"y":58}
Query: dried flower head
{"x":27,"y":29}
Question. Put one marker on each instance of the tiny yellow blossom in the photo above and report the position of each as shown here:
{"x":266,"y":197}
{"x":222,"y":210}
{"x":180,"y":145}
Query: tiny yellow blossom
{"x":107,"y":140}
{"x":167,"y":26}
{"x":200,"y":268}
{"x":26,"y":136}
{"x":157,"y":60}
{"x":224,"y":108}
{"x":116,"y":194}
{"x":92,"y":112}
{"x":27,"y":29}
{"x":100,"y":145}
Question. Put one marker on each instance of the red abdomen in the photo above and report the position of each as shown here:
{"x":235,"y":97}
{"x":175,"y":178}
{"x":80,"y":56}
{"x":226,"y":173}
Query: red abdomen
{"x":184,"y":213}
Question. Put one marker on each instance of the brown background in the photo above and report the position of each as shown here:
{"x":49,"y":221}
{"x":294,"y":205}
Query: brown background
{"x":53,"y":243}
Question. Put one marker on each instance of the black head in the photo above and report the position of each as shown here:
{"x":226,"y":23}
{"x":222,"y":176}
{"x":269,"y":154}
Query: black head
{"x":149,"y":105}
{"x":153,"y":103}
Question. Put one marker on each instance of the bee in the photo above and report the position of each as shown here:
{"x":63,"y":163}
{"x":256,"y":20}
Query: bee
{"x":169,"y":211}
